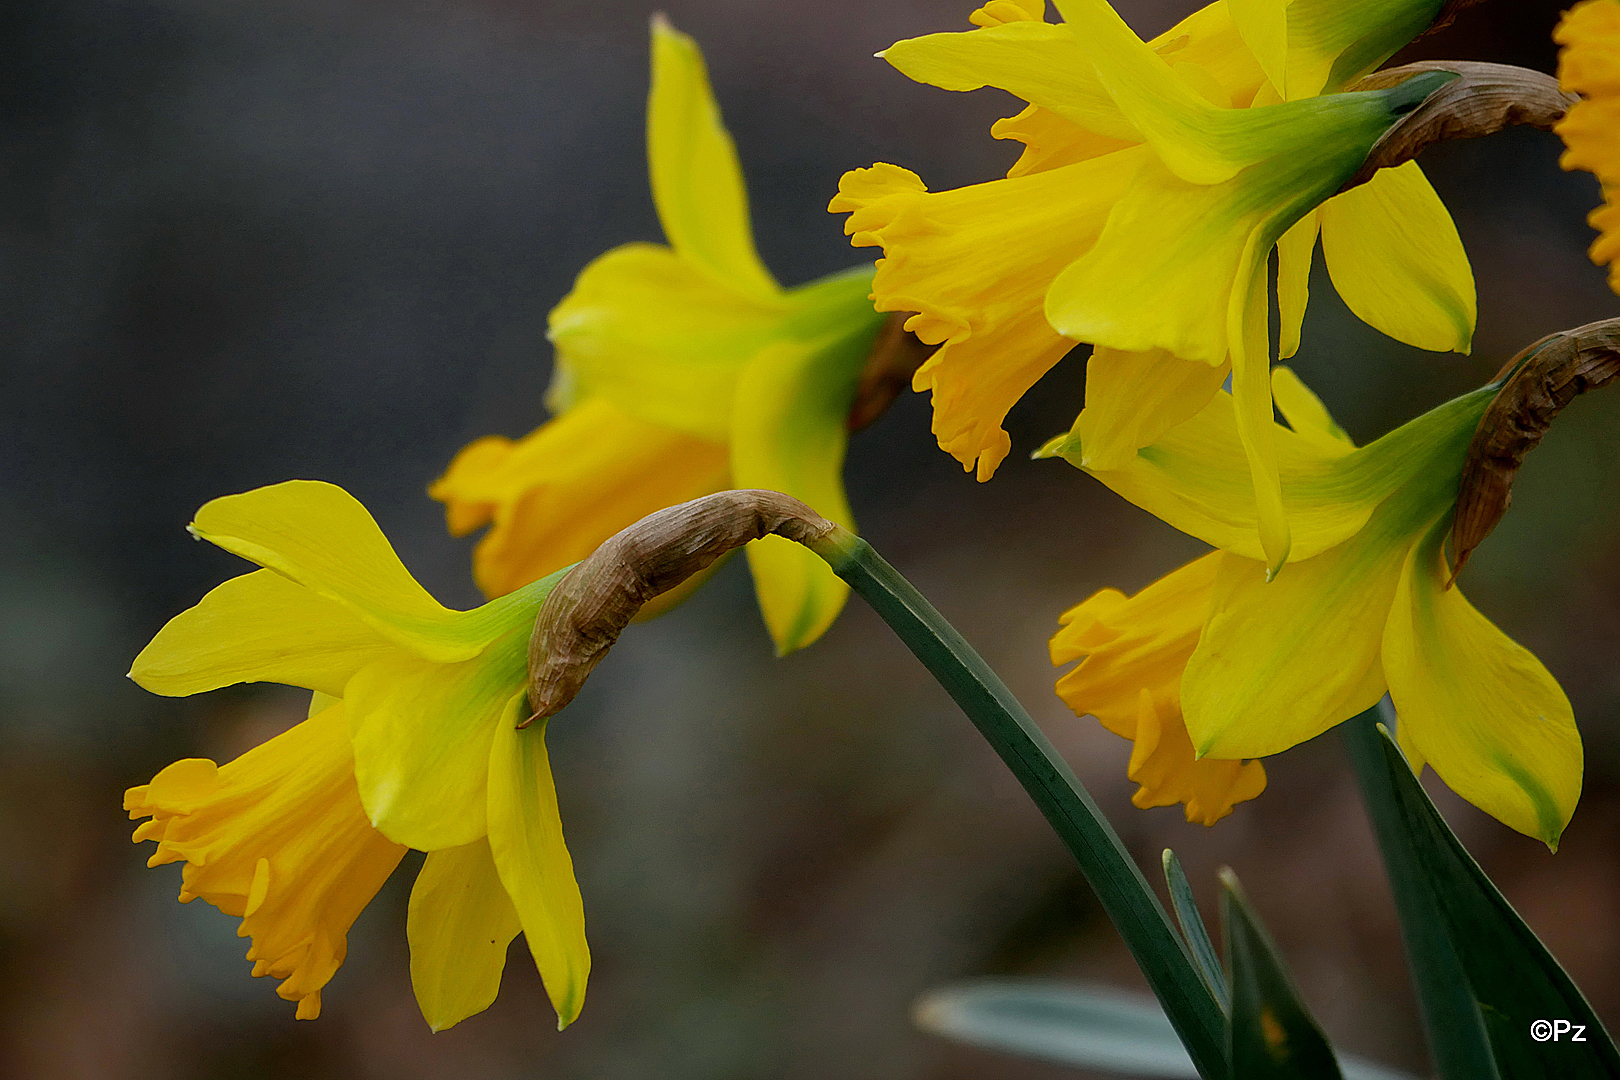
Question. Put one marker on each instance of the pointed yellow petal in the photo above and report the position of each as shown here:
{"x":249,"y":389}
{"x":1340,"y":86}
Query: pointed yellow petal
{"x":1264,"y":26}
{"x":790,"y":435}
{"x":1280,"y":662}
{"x":1294,"y":253}
{"x":1306,"y":414}
{"x":260,"y":627}
{"x":646,"y":328}
{"x":1249,"y":332}
{"x":1039,"y":62}
{"x":556,"y":494}
{"x":459,"y":925}
{"x":975,"y":263}
{"x":1481,"y":709}
{"x":997,"y":12}
{"x":525,"y":836}
{"x":1133,"y":398}
{"x":422,"y":734}
{"x":1051,"y":141}
{"x":696,"y":181}
{"x":1397,"y":261}
{"x":318,"y":535}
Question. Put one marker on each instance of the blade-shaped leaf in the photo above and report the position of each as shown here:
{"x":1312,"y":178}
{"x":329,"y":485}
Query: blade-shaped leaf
{"x":1514,"y":979}
{"x":1091,"y":1027}
{"x":1192,"y":928}
{"x":1273,"y":1036}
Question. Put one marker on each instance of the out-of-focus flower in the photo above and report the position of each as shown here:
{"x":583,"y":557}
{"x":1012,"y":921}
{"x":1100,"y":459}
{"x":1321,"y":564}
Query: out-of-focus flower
{"x":1589,"y":65}
{"x":1157,"y":177}
{"x":1365,"y":608}
{"x":1134,"y":651}
{"x":412,"y":742}
{"x":681,"y":371}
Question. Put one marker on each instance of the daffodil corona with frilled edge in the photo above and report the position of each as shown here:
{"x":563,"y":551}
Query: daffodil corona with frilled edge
{"x":1156,"y":179}
{"x":1589,"y":65}
{"x":681,"y":371}
{"x":412,"y":742}
{"x":1366,"y":607}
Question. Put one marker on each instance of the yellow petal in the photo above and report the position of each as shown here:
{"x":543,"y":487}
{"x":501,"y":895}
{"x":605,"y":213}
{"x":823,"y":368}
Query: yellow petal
{"x":1249,"y":332}
{"x":1161,"y":274}
{"x":1039,"y":62}
{"x":1480,"y":708}
{"x":260,"y":627}
{"x":278,"y":839}
{"x":649,"y":330}
{"x":790,"y":436}
{"x":422,"y":734}
{"x":459,"y":925}
{"x":997,"y":12}
{"x":1050,"y":141}
{"x":696,"y":181}
{"x":1196,"y":477}
{"x":560,"y":491}
{"x":1397,"y":261}
{"x":1280,"y":662}
{"x":1264,"y":26}
{"x":318,"y":535}
{"x":1306,"y":414}
{"x":525,"y":836}
{"x":975,"y":263}
{"x":1133,"y":398}
{"x":1294,"y":253}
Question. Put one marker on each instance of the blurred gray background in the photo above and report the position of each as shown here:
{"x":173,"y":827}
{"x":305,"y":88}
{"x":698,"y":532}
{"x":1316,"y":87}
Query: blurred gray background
{"x":247,"y":242}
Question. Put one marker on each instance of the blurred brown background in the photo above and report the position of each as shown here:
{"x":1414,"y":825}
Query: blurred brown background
{"x":247,"y":242}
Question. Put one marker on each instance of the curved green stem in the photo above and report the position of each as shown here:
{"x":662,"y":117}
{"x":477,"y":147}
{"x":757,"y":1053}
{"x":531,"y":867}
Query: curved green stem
{"x":1119,"y":884}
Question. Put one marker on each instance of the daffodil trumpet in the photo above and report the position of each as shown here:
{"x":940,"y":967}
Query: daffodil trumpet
{"x":1215,"y":665}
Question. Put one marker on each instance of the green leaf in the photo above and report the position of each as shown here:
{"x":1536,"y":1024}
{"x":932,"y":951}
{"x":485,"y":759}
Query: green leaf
{"x":1096,"y":1028}
{"x":1443,"y":895}
{"x":1192,"y":928}
{"x":1118,"y":882}
{"x":1273,"y":1036}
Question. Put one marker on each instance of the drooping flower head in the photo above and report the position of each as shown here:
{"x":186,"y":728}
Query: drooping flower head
{"x":681,"y":370}
{"x":1589,"y":65}
{"x":412,"y":742}
{"x":1157,"y":179}
{"x":1366,"y":607}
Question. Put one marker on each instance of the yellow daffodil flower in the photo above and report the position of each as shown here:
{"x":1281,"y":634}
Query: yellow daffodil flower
{"x":1157,"y":178}
{"x":412,"y":742}
{"x":681,"y":371}
{"x":1589,"y":65}
{"x":1366,"y":608}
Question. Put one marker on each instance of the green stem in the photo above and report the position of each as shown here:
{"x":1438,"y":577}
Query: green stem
{"x":1118,"y":882}
{"x":1457,"y":1038}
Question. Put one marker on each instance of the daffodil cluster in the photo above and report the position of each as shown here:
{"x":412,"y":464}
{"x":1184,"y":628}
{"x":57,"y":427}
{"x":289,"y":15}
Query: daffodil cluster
{"x":1156,"y":180}
{"x":680,"y":371}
